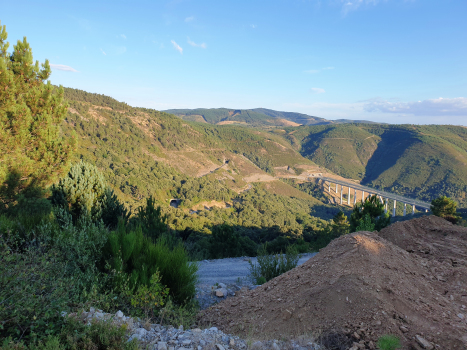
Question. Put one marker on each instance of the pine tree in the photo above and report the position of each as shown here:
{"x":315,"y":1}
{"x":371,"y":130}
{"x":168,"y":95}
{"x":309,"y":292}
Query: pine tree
{"x":82,"y":191}
{"x":370,"y":214}
{"x":32,"y":152}
{"x":445,"y":207}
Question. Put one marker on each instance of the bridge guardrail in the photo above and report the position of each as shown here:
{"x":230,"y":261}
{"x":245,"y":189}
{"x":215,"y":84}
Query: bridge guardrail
{"x":416,"y":202}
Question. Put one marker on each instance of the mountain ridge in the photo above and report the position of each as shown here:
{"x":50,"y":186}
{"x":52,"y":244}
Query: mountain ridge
{"x":254,"y":117}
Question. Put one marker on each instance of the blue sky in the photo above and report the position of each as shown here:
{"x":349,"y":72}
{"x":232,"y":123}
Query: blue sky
{"x":396,"y":61}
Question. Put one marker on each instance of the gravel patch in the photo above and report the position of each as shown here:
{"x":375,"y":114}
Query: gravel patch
{"x":230,"y":273}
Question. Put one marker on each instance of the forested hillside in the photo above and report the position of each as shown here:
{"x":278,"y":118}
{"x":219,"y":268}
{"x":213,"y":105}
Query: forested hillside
{"x":145,"y":153}
{"x":423,"y":161}
{"x":257,"y":117}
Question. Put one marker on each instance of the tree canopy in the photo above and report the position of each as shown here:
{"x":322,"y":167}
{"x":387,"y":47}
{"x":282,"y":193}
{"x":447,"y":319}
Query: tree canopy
{"x":369,"y":215}
{"x":32,"y":152}
{"x":445,"y":207}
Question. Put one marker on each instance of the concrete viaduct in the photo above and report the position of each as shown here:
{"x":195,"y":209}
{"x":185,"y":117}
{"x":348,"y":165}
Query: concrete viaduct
{"x":383,"y":196}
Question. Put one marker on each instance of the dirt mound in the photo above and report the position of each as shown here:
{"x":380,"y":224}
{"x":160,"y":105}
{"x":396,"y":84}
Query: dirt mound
{"x":432,"y":238}
{"x":360,"y":285}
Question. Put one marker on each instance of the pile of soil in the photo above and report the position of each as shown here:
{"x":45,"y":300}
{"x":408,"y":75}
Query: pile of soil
{"x":365,"y":286}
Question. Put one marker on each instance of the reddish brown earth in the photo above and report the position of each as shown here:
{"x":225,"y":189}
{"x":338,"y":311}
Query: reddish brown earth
{"x":364,"y":286}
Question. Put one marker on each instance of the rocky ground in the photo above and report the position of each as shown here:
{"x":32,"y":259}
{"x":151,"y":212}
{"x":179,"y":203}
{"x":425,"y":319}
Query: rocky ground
{"x":157,"y":337}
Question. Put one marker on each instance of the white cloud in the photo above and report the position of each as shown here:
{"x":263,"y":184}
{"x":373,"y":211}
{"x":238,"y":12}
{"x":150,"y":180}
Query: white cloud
{"x":253,"y":26}
{"x":123,"y":36}
{"x":314,"y":71}
{"x":189,"y":19}
{"x":177,"y":47}
{"x":63,"y":67}
{"x":317,"y":90}
{"x":359,"y":111}
{"x":438,"y":107}
{"x":352,"y":5}
{"x":192,"y":43}
{"x":103,"y":52}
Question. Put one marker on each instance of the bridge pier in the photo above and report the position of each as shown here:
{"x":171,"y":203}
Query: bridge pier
{"x":366,"y":194}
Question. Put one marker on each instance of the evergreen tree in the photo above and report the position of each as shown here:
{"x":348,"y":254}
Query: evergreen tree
{"x":82,"y":191}
{"x":370,"y":214}
{"x":113,"y":210}
{"x":445,"y":207}
{"x":153,"y":223}
{"x":340,"y":224}
{"x":32,"y":152}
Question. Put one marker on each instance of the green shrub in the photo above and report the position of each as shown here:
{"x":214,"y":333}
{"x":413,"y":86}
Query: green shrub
{"x":389,"y":342}
{"x":152,"y":297}
{"x":176,"y":315}
{"x":80,"y":247}
{"x":270,"y":266}
{"x":50,"y":343}
{"x":99,"y":335}
{"x":134,"y":258}
{"x":33,"y":292}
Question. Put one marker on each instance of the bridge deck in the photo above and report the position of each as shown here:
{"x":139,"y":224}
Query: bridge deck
{"x":411,"y":201}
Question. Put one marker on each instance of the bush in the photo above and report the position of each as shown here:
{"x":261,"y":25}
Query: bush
{"x":152,"y":297}
{"x":151,"y":220}
{"x":75,"y":335}
{"x":50,"y":343}
{"x":134,"y":258}
{"x":176,"y":315}
{"x":99,"y":335}
{"x":80,"y":247}
{"x":270,"y":266}
{"x":33,"y":292}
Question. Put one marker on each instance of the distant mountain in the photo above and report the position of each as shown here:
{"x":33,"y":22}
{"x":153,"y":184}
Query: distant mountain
{"x":258,"y":117}
{"x":422,"y":161}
